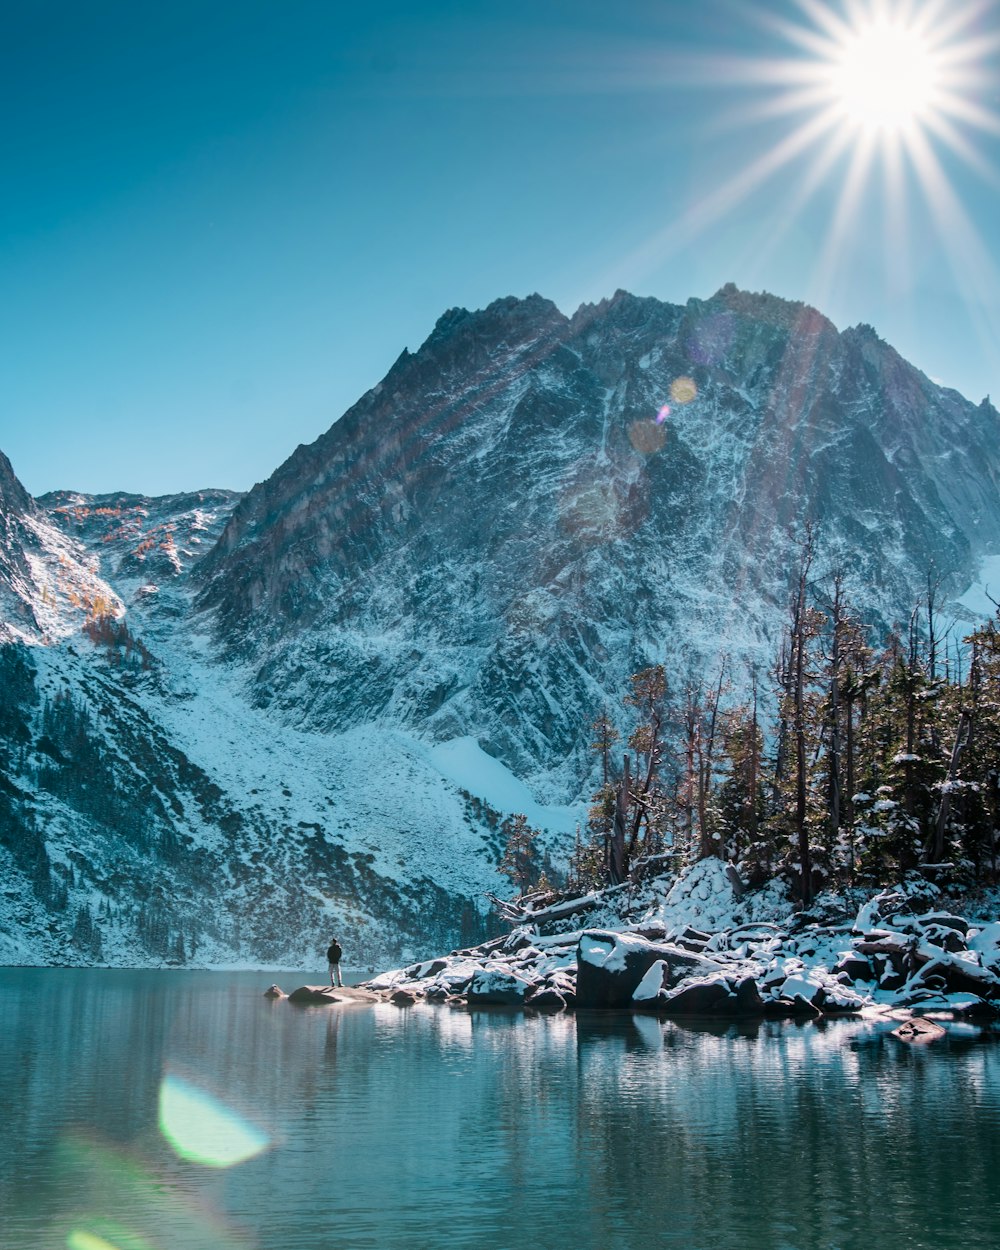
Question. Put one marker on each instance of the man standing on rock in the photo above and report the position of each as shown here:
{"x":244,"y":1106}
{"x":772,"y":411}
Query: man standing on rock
{"x":333,"y":956}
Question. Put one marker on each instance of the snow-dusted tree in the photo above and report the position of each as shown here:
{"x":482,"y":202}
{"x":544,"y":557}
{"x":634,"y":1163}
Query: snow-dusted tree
{"x":902,"y":763}
{"x":628,"y":812}
{"x":741,"y":800}
{"x":601,"y":814}
{"x":797,"y":810}
{"x":520,"y":858}
{"x":968,"y":814}
{"x":849,"y":672}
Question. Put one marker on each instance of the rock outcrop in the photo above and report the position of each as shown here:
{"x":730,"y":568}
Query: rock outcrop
{"x":891,"y":957}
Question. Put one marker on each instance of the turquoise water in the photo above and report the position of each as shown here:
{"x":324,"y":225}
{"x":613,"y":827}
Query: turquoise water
{"x":129,"y":1101}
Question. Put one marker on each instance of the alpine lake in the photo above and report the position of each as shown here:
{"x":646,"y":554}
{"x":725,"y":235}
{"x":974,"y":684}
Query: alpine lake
{"x":176,"y":1110}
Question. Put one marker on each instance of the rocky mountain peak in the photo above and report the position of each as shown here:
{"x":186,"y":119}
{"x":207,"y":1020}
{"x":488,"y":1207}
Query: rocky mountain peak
{"x":530,"y":507}
{"x":14,"y":499}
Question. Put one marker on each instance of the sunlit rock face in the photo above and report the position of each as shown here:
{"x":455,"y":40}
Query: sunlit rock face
{"x":142,"y":538}
{"x":531,"y":507}
{"x":15,"y":505}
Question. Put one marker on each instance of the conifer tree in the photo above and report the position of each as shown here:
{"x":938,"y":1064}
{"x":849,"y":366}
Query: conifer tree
{"x":520,"y":857}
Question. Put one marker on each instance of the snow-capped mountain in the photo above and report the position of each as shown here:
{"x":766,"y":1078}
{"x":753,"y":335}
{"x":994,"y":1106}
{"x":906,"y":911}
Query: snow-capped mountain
{"x":230,"y":726}
{"x":531,"y":507}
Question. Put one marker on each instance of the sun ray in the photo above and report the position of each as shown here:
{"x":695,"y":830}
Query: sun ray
{"x":824,"y":18}
{"x":820,"y":165}
{"x":974,"y":114}
{"x":691,"y":224}
{"x":896,"y":217}
{"x":844,"y":213}
{"x":893,"y":86}
{"x":960,"y":145}
{"x":971,"y":260}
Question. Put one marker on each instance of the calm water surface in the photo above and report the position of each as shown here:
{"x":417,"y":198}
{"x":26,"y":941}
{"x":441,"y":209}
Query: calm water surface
{"x":431,"y":1127}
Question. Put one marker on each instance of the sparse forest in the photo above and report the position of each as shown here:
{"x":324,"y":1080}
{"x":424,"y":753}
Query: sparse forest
{"x":847,"y":764}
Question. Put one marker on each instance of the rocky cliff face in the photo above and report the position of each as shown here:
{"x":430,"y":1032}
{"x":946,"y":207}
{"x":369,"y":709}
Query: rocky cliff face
{"x":15,"y":505}
{"x":532,"y":506}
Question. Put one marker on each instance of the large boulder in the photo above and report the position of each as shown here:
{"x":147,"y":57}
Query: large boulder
{"x":701,"y":998}
{"x":697,"y":996}
{"x":495,"y":987}
{"x":611,"y":966}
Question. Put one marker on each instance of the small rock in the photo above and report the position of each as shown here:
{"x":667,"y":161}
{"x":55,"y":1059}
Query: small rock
{"x":402,"y":998}
{"x":546,"y":999}
{"x":919,"y":1031}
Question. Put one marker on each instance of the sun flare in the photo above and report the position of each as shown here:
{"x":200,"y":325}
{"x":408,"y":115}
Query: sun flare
{"x":885,"y":77}
{"x":875,"y":99}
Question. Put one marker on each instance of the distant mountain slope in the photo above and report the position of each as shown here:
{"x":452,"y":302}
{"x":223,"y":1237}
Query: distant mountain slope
{"x":143,"y":539}
{"x":49,"y":585}
{"x":149,"y":815}
{"x":532,"y":506}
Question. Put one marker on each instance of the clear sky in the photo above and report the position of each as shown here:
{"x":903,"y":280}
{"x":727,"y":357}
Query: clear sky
{"x":222,"y":220}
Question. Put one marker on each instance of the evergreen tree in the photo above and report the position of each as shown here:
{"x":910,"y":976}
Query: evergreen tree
{"x":520,"y":858}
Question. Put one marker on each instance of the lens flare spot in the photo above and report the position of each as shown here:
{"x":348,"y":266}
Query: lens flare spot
{"x":662,"y":415}
{"x":203,"y":1130}
{"x":117,"y":1238}
{"x":683,"y":390}
{"x":80,"y":1240}
{"x":647,"y":437}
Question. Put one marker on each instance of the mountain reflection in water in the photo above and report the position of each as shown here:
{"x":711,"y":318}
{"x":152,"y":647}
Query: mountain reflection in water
{"x":421,"y":1127}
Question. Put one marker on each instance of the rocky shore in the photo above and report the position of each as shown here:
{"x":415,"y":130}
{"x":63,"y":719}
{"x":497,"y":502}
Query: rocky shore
{"x":699,"y":945}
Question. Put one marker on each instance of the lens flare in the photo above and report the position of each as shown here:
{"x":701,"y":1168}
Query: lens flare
{"x":647,"y":437}
{"x":683,"y":390}
{"x":80,"y":1239}
{"x":117,"y":1238}
{"x":662,"y":415}
{"x":204,"y":1130}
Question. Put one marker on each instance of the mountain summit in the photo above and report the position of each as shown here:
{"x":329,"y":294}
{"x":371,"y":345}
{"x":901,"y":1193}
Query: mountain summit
{"x":531,"y":507}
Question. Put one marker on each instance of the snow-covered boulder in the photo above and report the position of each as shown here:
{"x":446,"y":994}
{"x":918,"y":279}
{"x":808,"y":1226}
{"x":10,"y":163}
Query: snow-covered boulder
{"x":497,"y":987}
{"x":611,"y":966}
{"x":700,"y":998}
{"x":715,"y":994}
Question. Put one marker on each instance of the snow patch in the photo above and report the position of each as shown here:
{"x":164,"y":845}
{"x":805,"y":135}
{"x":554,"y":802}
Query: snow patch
{"x":987,"y":582}
{"x":463,"y":762}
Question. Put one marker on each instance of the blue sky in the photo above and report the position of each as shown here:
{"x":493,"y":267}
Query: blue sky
{"x":221,"y":222}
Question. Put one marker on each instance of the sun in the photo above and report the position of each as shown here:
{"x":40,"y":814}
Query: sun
{"x":876,"y":113}
{"x":885,"y":77}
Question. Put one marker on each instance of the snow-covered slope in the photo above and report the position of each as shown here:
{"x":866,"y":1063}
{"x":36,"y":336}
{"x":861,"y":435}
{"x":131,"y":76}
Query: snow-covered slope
{"x":49,"y":585}
{"x":230,"y":726}
{"x":148,"y":813}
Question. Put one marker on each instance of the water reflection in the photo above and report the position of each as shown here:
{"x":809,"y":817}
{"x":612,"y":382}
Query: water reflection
{"x":437,"y":1127}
